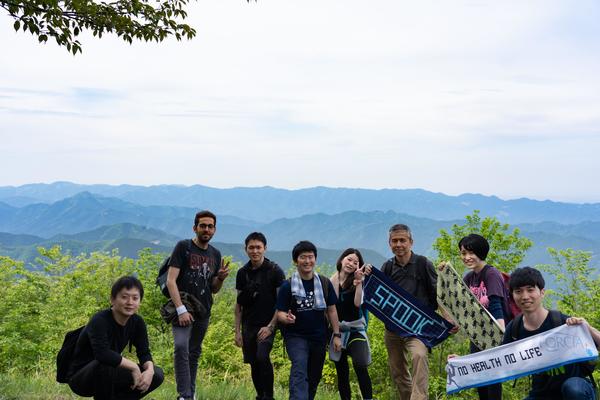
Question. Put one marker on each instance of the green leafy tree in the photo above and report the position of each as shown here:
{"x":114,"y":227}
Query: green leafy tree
{"x":577,"y":285}
{"x":64,"y":291}
{"x":64,"y":20}
{"x":507,"y":249}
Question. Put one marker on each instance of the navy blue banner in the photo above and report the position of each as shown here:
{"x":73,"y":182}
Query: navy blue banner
{"x":401,"y":312}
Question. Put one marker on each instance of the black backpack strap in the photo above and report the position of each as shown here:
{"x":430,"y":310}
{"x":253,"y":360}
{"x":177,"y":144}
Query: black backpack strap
{"x":516,"y":322}
{"x":424,"y":276}
{"x":189,"y":249}
{"x":292,"y":305}
{"x":325,"y":285}
{"x":387,"y":267}
{"x":556,"y":318}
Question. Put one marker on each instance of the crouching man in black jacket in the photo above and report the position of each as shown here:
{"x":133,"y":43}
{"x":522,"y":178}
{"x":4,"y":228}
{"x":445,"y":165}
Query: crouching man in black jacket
{"x":98,"y":368}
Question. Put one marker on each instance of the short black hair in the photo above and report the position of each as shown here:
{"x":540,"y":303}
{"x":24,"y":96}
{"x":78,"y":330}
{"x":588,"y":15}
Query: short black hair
{"x":256,"y":236}
{"x":203,"y":214}
{"x":526,"y":276}
{"x":475,"y":243}
{"x":346,"y":253}
{"x":127,"y":282}
{"x":303,"y":246}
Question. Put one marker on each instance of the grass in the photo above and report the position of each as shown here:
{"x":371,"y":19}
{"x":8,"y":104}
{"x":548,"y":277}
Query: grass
{"x":44,"y":387}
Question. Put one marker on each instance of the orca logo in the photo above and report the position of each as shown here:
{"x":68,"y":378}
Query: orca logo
{"x":562,"y":342}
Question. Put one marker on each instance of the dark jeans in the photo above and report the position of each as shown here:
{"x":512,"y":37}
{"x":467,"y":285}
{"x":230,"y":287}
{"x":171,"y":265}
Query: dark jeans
{"x":576,"y":388}
{"x":307,"y":357}
{"x":490,"y":392}
{"x":359,"y":351}
{"x":188,"y":348}
{"x":257,"y":354}
{"x":109,"y":383}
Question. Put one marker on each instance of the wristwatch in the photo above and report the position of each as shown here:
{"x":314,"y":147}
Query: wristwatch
{"x":337,"y":335}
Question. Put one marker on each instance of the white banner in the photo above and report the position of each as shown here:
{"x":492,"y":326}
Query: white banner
{"x":547,"y":350}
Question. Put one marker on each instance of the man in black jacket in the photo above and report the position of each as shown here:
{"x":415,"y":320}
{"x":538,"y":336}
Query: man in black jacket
{"x":98,"y":368}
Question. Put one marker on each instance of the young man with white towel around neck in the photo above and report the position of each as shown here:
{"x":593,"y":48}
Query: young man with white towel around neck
{"x":304,"y":303}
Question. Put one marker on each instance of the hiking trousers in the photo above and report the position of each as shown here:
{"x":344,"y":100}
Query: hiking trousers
{"x":409,"y":387}
{"x":188,"y":348}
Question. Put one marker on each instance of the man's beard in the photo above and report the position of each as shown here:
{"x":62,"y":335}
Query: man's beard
{"x":201,"y":240}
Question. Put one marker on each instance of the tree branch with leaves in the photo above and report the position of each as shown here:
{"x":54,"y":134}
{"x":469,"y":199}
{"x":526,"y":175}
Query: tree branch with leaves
{"x":64,"y":20}
{"x":507,"y":249}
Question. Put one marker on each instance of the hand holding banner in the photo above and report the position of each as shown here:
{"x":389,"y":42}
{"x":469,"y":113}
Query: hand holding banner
{"x":547,"y":350}
{"x":401,"y":312}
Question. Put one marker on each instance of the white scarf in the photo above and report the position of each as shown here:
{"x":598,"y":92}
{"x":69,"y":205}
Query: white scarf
{"x":299,"y":292}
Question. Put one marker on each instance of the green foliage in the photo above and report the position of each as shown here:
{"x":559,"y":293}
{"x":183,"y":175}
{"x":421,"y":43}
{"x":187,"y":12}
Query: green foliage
{"x":577,"y":286}
{"x":64,"y":20}
{"x":40,"y":306}
{"x":507,"y":249}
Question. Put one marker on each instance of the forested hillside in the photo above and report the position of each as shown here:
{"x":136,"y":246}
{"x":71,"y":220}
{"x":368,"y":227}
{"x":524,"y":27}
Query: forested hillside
{"x":38,"y":307}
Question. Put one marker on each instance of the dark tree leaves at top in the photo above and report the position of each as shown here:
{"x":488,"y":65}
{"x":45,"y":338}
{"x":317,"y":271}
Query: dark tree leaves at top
{"x":129,"y":19}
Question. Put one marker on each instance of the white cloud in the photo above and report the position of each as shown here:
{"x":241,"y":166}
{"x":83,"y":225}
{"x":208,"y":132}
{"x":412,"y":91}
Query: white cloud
{"x":471,"y":96}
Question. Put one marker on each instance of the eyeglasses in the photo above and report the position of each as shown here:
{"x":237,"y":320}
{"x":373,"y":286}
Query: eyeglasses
{"x":206,"y":226}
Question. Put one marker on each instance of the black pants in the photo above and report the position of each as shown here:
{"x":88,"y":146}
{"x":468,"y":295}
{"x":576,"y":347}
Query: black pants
{"x":359,"y":351}
{"x":109,"y":383}
{"x":258,"y":355}
{"x":490,"y":392}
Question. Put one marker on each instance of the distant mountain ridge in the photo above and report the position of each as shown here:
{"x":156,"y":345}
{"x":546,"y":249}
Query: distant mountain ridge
{"x":267,"y":204}
{"x":85,"y":211}
{"x":129,"y":239}
{"x":88,"y":221}
{"x":367,"y":230}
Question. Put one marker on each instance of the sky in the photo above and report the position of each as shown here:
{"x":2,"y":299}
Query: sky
{"x":498,"y":98}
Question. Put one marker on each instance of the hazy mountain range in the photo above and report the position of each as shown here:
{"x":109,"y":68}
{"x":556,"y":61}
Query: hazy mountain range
{"x":265,"y":204}
{"x":83,"y":218}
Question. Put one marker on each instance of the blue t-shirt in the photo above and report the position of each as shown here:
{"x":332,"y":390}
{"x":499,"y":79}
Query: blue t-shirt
{"x":310,"y":324}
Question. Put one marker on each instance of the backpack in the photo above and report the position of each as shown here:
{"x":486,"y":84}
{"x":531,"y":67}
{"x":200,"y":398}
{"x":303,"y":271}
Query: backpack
{"x":509,"y":307}
{"x":64,"y":358}
{"x":161,"y":279}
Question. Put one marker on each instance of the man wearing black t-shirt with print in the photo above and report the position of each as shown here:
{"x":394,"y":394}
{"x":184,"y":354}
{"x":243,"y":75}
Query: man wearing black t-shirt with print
{"x":255,"y":316}
{"x":98,"y":369}
{"x":568,"y":382}
{"x":197,"y":269}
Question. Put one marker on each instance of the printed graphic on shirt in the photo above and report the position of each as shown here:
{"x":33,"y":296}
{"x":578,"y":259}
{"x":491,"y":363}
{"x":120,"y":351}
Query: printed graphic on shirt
{"x":200,"y":271}
{"x":481,"y":293}
{"x":307,"y":303}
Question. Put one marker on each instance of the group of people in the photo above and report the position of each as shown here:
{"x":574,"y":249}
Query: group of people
{"x":527,"y":290}
{"x":314,"y":313}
